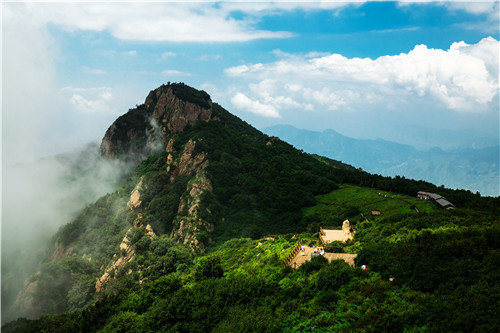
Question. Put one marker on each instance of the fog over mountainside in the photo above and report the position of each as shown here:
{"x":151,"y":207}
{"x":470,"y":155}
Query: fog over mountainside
{"x":41,"y":196}
{"x":472,"y":169}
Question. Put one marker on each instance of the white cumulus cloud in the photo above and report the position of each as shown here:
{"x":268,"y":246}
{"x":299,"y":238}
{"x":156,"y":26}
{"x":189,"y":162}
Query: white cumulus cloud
{"x":242,"y":102}
{"x":473,"y":7}
{"x":463,"y":78}
{"x":91,"y":100}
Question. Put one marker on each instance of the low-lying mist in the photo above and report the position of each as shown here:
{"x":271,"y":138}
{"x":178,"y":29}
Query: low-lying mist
{"x":37,"y":199}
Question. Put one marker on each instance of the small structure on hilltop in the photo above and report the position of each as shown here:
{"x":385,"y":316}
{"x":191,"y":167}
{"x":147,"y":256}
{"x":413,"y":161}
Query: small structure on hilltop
{"x":302,"y":254}
{"x":375,"y":212}
{"x":439,"y":200}
{"x":330,"y":235}
{"x":346,"y":227}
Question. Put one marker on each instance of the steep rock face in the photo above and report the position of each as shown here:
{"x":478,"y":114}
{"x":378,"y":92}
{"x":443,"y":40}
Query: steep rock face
{"x":118,"y":262}
{"x":60,"y":251}
{"x":148,"y":128}
{"x":135,"y":202}
{"x":173,"y":113}
{"x":189,"y":226}
{"x":127,"y":251}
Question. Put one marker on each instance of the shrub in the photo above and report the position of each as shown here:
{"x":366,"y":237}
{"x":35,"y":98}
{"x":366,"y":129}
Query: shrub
{"x":234,"y":242}
{"x":135,"y":234}
{"x":143,"y":243}
{"x":315,"y":264}
{"x":160,"y":245}
{"x":333,"y":276}
{"x":334,"y":247}
{"x":208,"y":268}
{"x":247,"y":319}
{"x":124,"y":322}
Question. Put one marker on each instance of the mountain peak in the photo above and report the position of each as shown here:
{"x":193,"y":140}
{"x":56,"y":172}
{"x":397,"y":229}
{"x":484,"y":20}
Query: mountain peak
{"x":180,"y":91}
{"x":147,"y":128}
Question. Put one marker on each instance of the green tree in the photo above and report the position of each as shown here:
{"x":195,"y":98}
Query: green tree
{"x":207,"y":268}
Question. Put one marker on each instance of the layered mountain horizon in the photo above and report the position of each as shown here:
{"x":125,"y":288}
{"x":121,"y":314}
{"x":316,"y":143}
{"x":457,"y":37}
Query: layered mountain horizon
{"x":471,"y":169}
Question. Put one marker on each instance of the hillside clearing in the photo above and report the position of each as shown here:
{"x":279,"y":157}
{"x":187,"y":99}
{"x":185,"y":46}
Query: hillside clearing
{"x":349,"y":202}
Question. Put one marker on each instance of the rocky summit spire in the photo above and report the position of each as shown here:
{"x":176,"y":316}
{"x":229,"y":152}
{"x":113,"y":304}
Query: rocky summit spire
{"x":147,"y":128}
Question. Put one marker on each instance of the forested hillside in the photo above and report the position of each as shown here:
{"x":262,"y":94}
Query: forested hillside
{"x":473,"y":169}
{"x":195,"y":238}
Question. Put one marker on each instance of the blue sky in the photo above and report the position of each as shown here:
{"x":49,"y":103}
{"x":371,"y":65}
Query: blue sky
{"x":366,"y":69}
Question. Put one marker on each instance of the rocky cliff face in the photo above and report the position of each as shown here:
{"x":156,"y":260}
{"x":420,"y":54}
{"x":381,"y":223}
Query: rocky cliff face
{"x":148,"y":128}
{"x":143,"y":131}
{"x":189,"y":226}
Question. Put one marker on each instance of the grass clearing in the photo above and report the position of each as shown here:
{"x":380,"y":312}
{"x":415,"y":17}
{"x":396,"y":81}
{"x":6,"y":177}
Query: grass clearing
{"x":349,"y":202}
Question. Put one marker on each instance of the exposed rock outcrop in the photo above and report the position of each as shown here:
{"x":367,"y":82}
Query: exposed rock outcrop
{"x":149,"y":127}
{"x":127,"y":251}
{"x":173,"y":112}
{"x":125,"y":257}
{"x":346,"y":227}
{"x":135,"y":202}
{"x":190,"y":163}
{"x":26,"y":300}
{"x":61,"y":252}
{"x":189,"y":226}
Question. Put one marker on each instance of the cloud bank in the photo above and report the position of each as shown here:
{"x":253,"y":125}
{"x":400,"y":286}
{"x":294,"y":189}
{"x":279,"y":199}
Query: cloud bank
{"x":190,"y":22}
{"x":193,"y":21}
{"x":463,"y":78}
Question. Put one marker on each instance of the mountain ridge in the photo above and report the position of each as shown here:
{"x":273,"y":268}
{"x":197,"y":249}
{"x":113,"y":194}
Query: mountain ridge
{"x":473,"y":169}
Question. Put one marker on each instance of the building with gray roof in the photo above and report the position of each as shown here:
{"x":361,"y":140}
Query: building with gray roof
{"x":439,"y":200}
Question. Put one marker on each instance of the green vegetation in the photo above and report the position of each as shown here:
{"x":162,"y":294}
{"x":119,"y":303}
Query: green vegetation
{"x":162,"y":200}
{"x":135,"y":119}
{"x":356,"y":204}
{"x":443,"y":263}
{"x":259,"y":184}
{"x":190,"y":94}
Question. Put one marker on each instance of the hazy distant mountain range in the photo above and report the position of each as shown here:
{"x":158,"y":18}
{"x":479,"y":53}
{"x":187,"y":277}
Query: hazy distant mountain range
{"x":472,"y":169}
